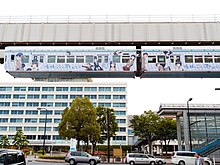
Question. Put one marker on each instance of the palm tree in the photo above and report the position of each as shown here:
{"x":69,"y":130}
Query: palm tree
{"x":20,"y":140}
{"x":4,"y":142}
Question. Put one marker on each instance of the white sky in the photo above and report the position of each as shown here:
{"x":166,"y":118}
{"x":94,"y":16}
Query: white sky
{"x":143,"y":94}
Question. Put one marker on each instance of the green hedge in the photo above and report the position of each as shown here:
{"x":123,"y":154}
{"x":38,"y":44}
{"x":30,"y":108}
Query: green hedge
{"x":52,"y":157}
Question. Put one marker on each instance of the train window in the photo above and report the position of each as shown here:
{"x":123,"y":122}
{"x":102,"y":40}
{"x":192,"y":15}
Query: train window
{"x":25,"y":59}
{"x":41,"y":59}
{"x":60,"y":59}
{"x":198,"y":59}
{"x":105,"y":59}
{"x":51,"y":59}
{"x":172,"y":59}
{"x":161,"y":58}
{"x":188,"y":59}
{"x":116,"y":59}
{"x":151,"y":59}
{"x":79,"y":59}
{"x":70,"y":59}
{"x":89,"y":59}
{"x":217,"y":59}
{"x":208,"y":59}
{"x":12,"y":57}
{"x":125,"y":58}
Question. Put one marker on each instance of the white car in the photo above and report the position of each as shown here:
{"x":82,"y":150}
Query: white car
{"x":158,"y":160}
{"x":187,"y":158}
{"x":139,"y":158}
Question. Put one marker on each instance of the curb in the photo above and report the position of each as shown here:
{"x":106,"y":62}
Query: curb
{"x":50,"y":160}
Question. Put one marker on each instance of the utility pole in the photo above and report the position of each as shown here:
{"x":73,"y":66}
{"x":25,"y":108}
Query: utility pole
{"x":108,"y":133}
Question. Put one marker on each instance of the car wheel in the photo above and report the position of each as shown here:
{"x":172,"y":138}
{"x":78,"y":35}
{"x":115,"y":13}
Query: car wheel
{"x":131,"y":163}
{"x":92,"y":162}
{"x":72,"y":162}
{"x":181,"y":163}
{"x":207,"y":163}
{"x":152,"y":163}
{"x":160,"y":162}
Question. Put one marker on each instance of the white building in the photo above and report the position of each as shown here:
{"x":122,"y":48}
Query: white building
{"x":19,"y":103}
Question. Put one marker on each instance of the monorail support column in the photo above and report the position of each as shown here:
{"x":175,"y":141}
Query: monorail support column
{"x":138,"y":72}
{"x":186,"y":130}
{"x":178,"y":133}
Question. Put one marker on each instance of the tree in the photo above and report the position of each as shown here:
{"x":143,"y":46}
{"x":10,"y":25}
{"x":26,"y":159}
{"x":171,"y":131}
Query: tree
{"x":167,"y":131}
{"x":4,"y":142}
{"x":79,"y":121}
{"x":20,"y":140}
{"x":145,"y":127}
{"x":102,"y":121}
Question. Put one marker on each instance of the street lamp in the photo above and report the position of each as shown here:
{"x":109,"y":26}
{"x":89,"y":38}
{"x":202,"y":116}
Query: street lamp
{"x":45,"y":127}
{"x":190,"y":138}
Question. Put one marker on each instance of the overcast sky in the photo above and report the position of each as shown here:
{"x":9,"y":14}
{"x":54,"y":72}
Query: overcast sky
{"x":143,"y":94}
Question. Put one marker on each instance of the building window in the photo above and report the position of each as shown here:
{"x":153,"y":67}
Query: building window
{"x":74,"y":96}
{"x":47,"y":88}
{"x":119,"y":97}
{"x":32,"y":104}
{"x":76,"y":88}
{"x":94,"y":104}
{"x":31,"y":112}
{"x":43,"y":112}
{"x":57,"y":120}
{"x":116,"y":138}
{"x":130,"y":132}
{"x":5,"y":96}
{"x":3,"y":120}
{"x":61,"y":96}
{"x":90,"y":89}
{"x":14,"y":128}
{"x":104,"y":104}
{"x":58,"y":112}
{"x":106,"y":97}
{"x":122,"y":129}
{"x":118,"y":113}
{"x":43,"y":120}
{"x":4,"y":104}
{"x":42,"y":128}
{"x":31,"y":137}
{"x":62,"y":88}
{"x":118,"y":88}
{"x":104,"y":88}
{"x":4,"y":112}
{"x":119,"y":104}
{"x":19,"y":96}
{"x":30,"y":120}
{"x":55,"y":129}
{"x":120,"y":121}
{"x":33,"y":88}
{"x":57,"y":137}
{"x":60,"y":104}
{"x":41,"y":137}
{"x":17,"y":112}
{"x":46,"y":104}
{"x":5,"y":88}
{"x":33,"y":96}
{"x":47,"y":96}
{"x":19,"y":88}
{"x":17,"y":104}
{"x":30,"y":129}
{"x":16,"y":120}
{"x":3,"y":128}
{"x":91,"y":96}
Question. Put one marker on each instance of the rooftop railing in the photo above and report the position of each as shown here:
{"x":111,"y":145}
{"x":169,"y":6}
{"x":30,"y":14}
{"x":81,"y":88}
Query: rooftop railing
{"x":108,"y":18}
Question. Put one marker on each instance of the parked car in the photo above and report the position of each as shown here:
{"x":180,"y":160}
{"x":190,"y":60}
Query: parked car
{"x":187,"y":158}
{"x":74,"y":157}
{"x":9,"y":157}
{"x":139,"y":158}
{"x":159,"y":161}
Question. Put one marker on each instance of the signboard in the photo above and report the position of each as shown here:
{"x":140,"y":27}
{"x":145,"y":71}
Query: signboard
{"x":117,"y":152}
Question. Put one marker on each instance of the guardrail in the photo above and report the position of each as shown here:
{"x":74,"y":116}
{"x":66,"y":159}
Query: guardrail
{"x":108,"y":18}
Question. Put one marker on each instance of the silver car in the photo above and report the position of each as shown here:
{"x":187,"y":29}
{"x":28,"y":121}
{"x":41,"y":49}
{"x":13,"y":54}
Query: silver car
{"x":158,"y":160}
{"x":139,"y":158}
{"x":74,"y":157}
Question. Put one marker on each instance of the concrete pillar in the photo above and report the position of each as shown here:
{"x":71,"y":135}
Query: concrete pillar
{"x":186,"y":131}
{"x":178,"y":133}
